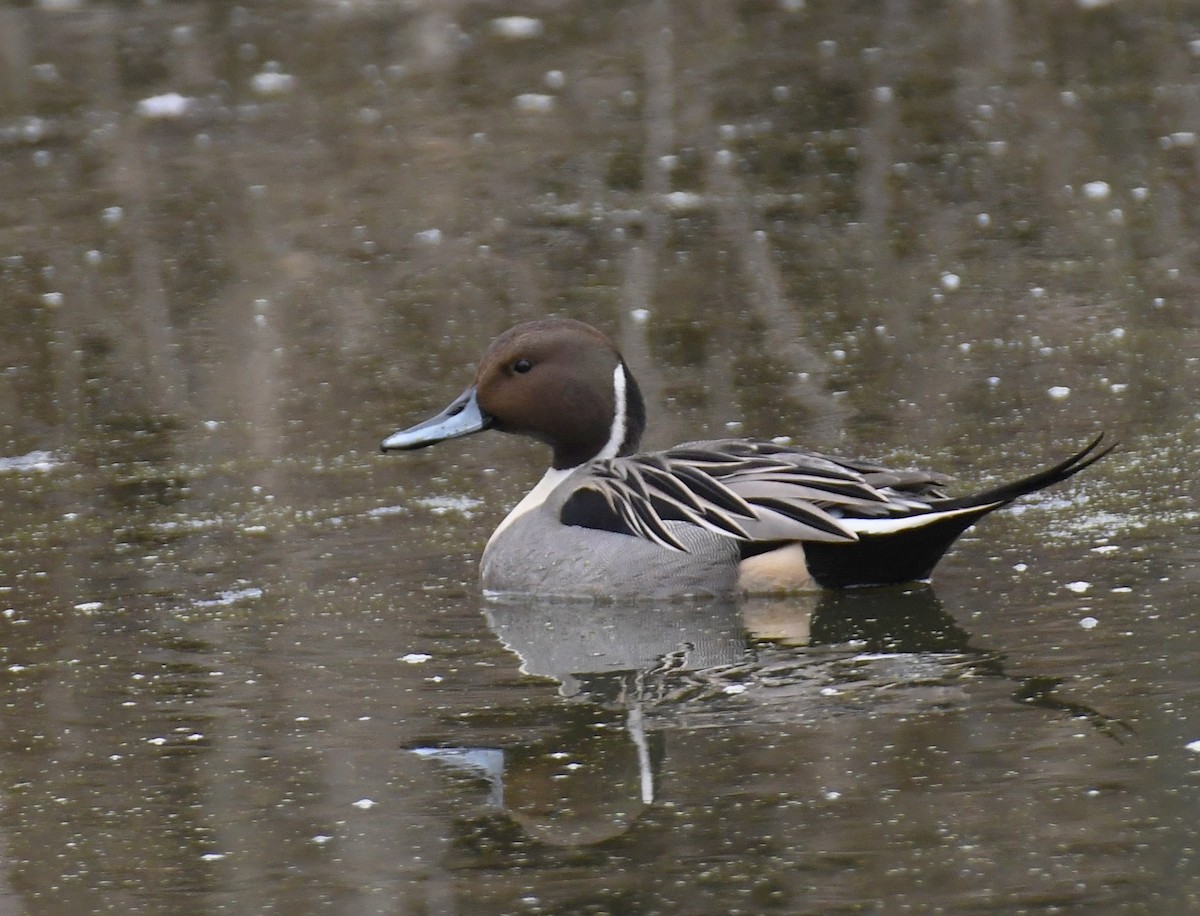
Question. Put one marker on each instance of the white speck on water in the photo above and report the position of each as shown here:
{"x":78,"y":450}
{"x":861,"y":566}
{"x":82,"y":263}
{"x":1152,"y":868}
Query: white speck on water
{"x":838,"y":355}
{"x":534,"y":102}
{"x":993,"y":381}
{"x":883,"y":94}
{"x":683,"y":201}
{"x":1193,"y":746}
{"x":733,"y":425}
{"x":1106,"y":548}
{"x":212,"y":857}
{"x":829,"y":691}
{"x":997,"y":147}
{"x":554,"y":79}
{"x":93,"y":257}
{"x":272,"y":81}
{"x":321,"y":839}
{"x":1158,"y":302}
{"x":112,"y":215}
{"x":429,"y":236}
{"x":832,"y":795}
{"x":951,"y":282}
{"x":641,"y":316}
{"x":365,"y":804}
{"x":166,"y":106}
{"x":1117,"y":333}
{"x":517,"y":27}
{"x":1078,"y":587}
{"x":1097,"y":190}
{"x":734,"y":689}
{"x":983,"y":220}
{"x":1037,"y":292}
{"x":965,"y":347}
{"x":781,"y":440}
{"x":157,"y":742}
{"x":1089,"y":623}
{"x":1059,"y":392}
{"x":88,"y":607}
{"x":1020,"y":567}
{"x":416,"y":658}
{"x":1118,"y":387}
{"x":1139,"y":194}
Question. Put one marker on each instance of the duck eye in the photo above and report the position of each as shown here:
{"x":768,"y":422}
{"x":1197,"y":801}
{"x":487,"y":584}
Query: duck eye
{"x":522,"y":366}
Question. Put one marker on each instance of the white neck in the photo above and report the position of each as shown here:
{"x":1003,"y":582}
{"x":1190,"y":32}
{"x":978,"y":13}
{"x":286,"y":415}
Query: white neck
{"x":554,"y":476}
{"x":534,"y":498}
{"x":616,"y":436}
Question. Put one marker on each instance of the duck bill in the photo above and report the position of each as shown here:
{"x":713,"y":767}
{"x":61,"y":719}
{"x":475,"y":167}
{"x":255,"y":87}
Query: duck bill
{"x":461,"y":418}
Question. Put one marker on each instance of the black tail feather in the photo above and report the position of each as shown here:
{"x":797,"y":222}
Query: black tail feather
{"x":909,"y":555}
{"x":1006,"y":493}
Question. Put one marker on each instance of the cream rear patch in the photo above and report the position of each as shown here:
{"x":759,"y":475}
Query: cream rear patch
{"x":775,"y":571}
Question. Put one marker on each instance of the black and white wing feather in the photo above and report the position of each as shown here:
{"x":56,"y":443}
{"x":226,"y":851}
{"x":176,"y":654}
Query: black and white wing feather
{"x":749,"y":491}
{"x":761,"y":492}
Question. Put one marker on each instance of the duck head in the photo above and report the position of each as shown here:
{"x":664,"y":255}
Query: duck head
{"x":559,"y":381}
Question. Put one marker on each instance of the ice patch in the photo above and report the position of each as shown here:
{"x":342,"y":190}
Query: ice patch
{"x":382,"y":511}
{"x":441,"y":505}
{"x":230,"y":597}
{"x":39,"y":461}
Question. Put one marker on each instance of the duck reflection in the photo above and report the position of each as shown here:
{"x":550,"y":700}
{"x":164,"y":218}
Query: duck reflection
{"x":630,"y":672}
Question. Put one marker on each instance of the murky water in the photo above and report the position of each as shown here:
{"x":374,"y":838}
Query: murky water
{"x":245,"y":666}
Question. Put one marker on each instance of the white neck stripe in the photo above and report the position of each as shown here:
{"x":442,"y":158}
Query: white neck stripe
{"x":616,"y":437}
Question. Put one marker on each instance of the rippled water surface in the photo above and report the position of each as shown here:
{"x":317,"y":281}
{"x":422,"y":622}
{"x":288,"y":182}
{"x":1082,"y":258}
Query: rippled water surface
{"x":244,"y":664}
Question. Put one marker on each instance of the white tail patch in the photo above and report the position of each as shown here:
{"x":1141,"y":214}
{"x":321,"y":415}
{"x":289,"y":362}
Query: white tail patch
{"x":910,"y":522}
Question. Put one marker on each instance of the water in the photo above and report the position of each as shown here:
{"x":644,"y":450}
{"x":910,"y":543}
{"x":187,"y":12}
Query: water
{"x":245,"y":666}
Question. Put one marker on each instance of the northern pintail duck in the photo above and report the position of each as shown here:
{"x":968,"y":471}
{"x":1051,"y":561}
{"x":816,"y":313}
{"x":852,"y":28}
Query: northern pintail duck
{"x":713,"y":517}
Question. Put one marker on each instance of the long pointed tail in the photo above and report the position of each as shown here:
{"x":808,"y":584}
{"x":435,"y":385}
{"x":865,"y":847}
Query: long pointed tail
{"x":1006,"y":493}
{"x":908,"y":551}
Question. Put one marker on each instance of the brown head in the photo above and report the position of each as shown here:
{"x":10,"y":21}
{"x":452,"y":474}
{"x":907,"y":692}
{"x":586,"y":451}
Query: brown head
{"x":556,"y":380}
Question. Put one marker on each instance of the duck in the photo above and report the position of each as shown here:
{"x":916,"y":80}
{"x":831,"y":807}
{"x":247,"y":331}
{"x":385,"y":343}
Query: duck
{"x":707,"y":518}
